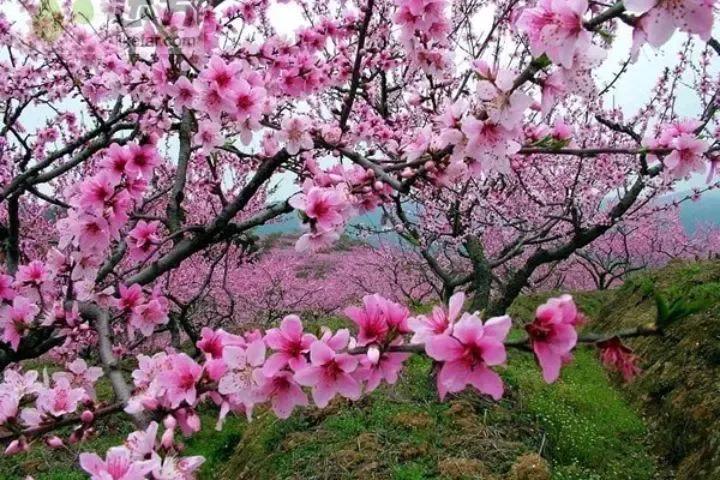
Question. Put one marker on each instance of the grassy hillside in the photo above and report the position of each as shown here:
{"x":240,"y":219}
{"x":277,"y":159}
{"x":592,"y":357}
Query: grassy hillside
{"x":679,"y":390}
{"x":581,"y":428}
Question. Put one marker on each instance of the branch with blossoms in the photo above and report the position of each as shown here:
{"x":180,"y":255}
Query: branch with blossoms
{"x":236,"y":374}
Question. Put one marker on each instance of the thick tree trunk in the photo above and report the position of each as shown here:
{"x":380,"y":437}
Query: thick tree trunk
{"x":481,"y":276}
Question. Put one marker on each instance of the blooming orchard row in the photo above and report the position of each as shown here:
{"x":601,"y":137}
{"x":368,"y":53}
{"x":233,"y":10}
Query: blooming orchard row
{"x":134,"y":175}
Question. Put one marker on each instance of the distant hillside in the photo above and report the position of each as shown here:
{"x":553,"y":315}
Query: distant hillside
{"x":706,"y":210}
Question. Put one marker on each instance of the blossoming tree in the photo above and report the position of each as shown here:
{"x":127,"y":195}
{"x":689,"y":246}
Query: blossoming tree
{"x":139,"y":153}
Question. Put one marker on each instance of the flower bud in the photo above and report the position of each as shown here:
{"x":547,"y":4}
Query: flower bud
{"x":373,"y":354}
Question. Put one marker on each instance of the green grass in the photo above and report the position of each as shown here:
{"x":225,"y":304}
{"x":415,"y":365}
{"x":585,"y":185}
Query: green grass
{"x":591,"y":431}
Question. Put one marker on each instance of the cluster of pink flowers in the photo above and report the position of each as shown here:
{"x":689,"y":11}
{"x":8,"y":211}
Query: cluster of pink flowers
{"x":145,"y":313}
{"x":688,"y":151}
{"x":237,"y":374}
{"x":659,"y":19}
{"x":331,"y":198}
{"x":26,"y":403}
{"x":555,"y":28}
{"x":138,"y":459}
{"x":423,"y":33}
{"x":223,"y":88}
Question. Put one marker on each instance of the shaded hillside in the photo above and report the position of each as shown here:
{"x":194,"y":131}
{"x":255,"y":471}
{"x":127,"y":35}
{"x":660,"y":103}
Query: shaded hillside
{"x":679,"y":390}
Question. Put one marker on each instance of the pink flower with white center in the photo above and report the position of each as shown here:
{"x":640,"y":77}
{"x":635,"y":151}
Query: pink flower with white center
{"x":553,"y":86}
{"x":95,"y":193}
{"x":142,"y":239}
{"x":118,"y":465}
{"x":15,"y":320}
{"x":555,"y":27}
{"x":660,"y":18}
{"x":295,"y":134}
{"x":687,"y":155}
{"x":290,"y":344}
{"x":178,"y":468}
{"x":183,"y":93}
{"x":62,"y":398}
{"x":147,"y":316}
{"x":130,"y":297}
{"x":92,"y":232}
{"x":553,"y":334}
{"x":180,"y":381}
{"x":142,"y":160}
{"x":6,"y":288}
{"x":329,"y":374}
{"x":33,"y":274}
{"x":439,"y":322}
{"x":324,"y":207}
{"x":9,"y":403}
{"x":283,"y":392}
{"x":468,"y":353}
{"x":208,"y":136}
{"x":387,"y":368}
{"x":379,"y":320}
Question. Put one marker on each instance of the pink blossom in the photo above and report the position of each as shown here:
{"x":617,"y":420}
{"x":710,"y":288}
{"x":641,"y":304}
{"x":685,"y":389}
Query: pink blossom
{"x":62,"y":398}
{"x":6,"y":290}
{"x":208,"y":136}
{"x":9,"y":403}
{"x":283,"y":392}
{"x":15,"y":319}
{"x":553,"y":334}
{"x":92,"y":232}
{"x":212,"y":342}
{"x":379,"y":319}
{"x":130,"y":297}
{"x":290,"y":343}
{"x":118,"y":465}
{"x":248,"y":101}
{"x":329,"y":374}
{"x":439,"y":322}
{"x":115,"y":163}
{"x":687,"y":155}
{"x":178,"y":468}
{"x":618,"y":356}
{"x":661,"y":17}
{"x":555,"y":27}
{"x":323,"y":206}
{"x":147,"y":316}
{"x":33,"y":274}
{"x":316,"y":239}
{"x":183,"y":93}
{"x":294,"y":133}
{"x":96,"y":192}
{"x":467,"y":354}
{"x":386,"y":368}
{"x":180,"y":381}
{"x":142,"y":160}
{"x":142,"y":443}
{"x":142,"y":239}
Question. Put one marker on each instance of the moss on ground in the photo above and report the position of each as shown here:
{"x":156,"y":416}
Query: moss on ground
{"x":678,"y":391}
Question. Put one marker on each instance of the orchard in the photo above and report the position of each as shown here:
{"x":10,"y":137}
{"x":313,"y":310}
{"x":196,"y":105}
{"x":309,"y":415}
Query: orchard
{"x":141,"y":152}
